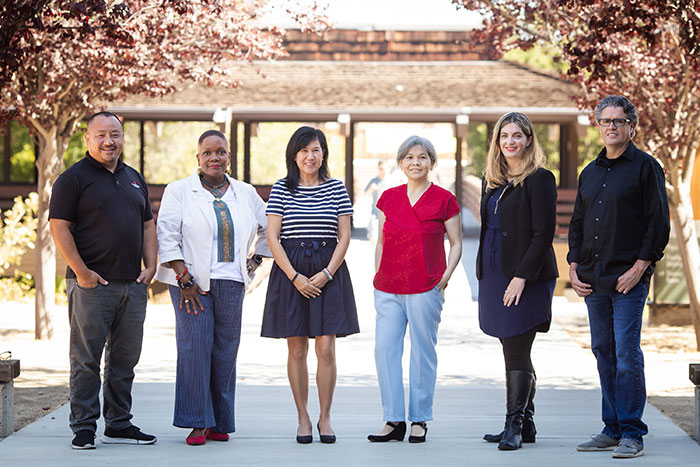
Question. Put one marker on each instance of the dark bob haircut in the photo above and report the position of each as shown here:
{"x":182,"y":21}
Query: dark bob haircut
{"x":299,"y":140}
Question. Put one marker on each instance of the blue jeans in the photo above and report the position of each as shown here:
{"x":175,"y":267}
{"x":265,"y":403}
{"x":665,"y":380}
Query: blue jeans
{"x":422,"y":312}
{"x":616,"y":322}
{"x":207,"y":346}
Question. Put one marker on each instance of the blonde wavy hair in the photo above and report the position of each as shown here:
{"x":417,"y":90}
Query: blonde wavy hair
{"x":496,"y":172}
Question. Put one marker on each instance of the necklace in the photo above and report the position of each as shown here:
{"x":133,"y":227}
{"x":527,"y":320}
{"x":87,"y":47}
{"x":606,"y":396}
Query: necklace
{"x":201,"y":177}
{"x":495,"y":210}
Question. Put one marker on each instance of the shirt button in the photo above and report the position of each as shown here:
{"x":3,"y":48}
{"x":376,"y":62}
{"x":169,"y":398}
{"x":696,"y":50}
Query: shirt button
{"x":608,"y":169}
{"x":604,"y":185}
{"x":600,"y":202}
{"x":505,"y":234}
{"x":597,"y":219}
{"x":596,"y":237}
{"x":596,"y":255}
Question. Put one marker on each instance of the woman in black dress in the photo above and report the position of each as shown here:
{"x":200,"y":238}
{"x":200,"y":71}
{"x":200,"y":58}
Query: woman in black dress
{"x":309,"y":292}
{"x":516,"y":266}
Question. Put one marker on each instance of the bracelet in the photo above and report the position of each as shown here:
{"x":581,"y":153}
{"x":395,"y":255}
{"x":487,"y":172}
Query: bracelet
{"x":180,"y":276}
{"x":328,"y":274}
{"x":186,"y":285}
{"x":295,"y":277}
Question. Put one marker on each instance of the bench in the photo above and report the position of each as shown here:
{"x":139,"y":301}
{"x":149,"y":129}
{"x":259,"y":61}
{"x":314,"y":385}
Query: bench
{"x":9,"y":370}
{"x":694,"y":374}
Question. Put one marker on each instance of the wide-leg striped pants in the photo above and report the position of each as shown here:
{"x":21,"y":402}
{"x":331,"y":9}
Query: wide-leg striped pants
{"x":207,"y":346}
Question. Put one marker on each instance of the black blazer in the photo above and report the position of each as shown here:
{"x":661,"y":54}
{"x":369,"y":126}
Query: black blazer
{"x":528,"y":219}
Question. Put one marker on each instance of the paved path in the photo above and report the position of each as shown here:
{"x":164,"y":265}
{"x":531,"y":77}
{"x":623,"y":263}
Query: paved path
{"x":469,"y":400}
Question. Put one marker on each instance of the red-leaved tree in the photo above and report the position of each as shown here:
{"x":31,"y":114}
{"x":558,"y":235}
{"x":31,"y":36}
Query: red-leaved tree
{"x":647,"y":51}
{"x":62,"y":58}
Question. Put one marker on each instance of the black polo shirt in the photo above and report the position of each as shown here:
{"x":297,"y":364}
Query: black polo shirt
{"x":620,"y":216}
{"x":107,"y":211}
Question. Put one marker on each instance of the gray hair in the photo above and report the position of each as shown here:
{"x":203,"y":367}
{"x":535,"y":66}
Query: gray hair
{"x":416,"y":141}
{"x":617,"y":101}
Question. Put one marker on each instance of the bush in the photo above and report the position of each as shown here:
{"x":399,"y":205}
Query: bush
{"x":17,"y":230}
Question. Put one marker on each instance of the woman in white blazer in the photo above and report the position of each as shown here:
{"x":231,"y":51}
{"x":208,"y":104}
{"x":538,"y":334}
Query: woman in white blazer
{"x":207,"y":224}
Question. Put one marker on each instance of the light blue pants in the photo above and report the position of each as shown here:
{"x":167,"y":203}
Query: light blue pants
{"x":422,"y":312}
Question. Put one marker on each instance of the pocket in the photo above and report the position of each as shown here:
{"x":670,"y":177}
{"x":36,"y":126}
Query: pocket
{"x":86,"y":288}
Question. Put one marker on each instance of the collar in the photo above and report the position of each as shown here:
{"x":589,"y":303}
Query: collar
{"x":628,"y":154}
{"x":96,"y":165}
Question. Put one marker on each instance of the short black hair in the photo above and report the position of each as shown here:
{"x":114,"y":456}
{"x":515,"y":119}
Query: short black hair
{"x":299,"y":140}
{"x":103,"y":113}
{"x":209,"y":133}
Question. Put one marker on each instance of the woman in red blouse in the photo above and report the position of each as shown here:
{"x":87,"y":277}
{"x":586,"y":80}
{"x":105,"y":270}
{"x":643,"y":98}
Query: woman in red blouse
{"x":409,"y":287}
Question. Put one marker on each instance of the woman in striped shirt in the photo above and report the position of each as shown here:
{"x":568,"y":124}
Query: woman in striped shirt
{"x":309,"y":293}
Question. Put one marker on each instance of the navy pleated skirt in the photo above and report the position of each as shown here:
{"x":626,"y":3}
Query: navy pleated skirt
{"x":288,"y":313}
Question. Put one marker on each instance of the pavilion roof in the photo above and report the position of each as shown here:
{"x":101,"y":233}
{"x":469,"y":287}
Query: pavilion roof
{"x":319,"y":90}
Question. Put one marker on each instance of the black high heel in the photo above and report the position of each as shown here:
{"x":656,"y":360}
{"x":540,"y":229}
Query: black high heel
{"x":304,"y":439}
{"x":418,"y":439}
{"x":327,"y":439}
{"x":398,"y":433}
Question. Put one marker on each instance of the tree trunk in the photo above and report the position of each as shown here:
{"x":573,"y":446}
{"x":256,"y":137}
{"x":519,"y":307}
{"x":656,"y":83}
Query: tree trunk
{"x":49,"y":163}
{"x":684,"y":226}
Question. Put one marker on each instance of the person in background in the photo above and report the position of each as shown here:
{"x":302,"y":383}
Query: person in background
{"x":309,"y":293}
{"x":411,"y":276}
{"x":516,"y":266}
{"x":207,"y":224}
{"x":618,"y":231}
{"x":101,"y":221}
{"x":376,"y":187}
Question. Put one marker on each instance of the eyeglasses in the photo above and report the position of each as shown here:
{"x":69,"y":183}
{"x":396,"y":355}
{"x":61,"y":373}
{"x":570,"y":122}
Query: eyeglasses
{"x":605,"y":122}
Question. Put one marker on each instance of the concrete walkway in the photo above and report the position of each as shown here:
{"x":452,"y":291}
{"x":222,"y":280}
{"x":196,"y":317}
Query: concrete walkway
{"x":469,"y":400}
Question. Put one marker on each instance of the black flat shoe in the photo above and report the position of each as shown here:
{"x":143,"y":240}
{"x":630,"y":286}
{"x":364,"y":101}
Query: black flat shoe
{"x":305,"y":439}
{"x":398,"y":433}
{"x":419,"y":439}
{"x":326,"y":439}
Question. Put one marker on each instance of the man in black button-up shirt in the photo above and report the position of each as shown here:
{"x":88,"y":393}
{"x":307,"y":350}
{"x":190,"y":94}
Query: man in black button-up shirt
{"x":619,"y":229}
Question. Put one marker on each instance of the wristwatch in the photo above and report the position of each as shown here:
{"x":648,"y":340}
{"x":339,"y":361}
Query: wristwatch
{"x":258,"y":259}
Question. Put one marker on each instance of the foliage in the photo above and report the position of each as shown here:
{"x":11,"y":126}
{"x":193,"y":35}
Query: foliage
{"x":17,"y":230}
{"x":648,"y":51}
{"x":60,"y":59}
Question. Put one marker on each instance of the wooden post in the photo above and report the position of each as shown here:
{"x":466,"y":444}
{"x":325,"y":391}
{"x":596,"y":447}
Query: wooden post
{"x":458,"y":172}
{"x":9,"y":370}
{"x":234,"y":149}
{"x":568,"y":155}
{"x":694,"y":374}
{"x":246,"y":151}
{"x":349,"y":162}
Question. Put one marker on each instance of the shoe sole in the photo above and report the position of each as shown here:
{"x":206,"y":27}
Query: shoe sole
{"x":594,"y":449}
{"x":627,"y":456}
{"x":81,"y":448}
{"x":108,"y":440}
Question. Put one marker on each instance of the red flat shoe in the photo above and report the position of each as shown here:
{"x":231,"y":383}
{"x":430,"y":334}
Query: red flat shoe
{"x":215,"y":436}
{"x":197,"y":440}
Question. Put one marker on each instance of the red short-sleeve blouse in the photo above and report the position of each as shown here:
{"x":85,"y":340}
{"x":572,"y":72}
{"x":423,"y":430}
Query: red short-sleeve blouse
{"x":413,"y":248}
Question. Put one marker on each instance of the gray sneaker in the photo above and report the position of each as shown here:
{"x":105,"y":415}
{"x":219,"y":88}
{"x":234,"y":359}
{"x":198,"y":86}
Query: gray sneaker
{"x":599,"y":442}
{"x":628,"y":448}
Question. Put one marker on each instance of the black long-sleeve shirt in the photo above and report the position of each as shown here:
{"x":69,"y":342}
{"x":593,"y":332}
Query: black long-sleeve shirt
{"x":620,"y":216}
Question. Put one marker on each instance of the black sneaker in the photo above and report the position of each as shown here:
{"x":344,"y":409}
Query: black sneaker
{"x":131,"y":435}
{"x":84,"y":439}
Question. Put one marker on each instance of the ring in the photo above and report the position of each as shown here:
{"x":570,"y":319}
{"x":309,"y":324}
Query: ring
{"x":187,"y":301}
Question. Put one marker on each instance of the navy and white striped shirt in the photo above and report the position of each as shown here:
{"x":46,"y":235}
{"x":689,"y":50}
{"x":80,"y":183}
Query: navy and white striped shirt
{"x":312,"y":211}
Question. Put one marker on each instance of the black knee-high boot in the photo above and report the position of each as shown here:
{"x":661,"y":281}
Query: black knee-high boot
{"x":529,"y":432}
{"x":518,"y":386}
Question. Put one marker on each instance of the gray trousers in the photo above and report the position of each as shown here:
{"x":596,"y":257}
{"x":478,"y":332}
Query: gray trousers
{"x":110,"y":318}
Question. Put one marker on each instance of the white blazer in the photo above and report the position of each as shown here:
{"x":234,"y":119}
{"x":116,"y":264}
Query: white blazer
{"x":185,"y":230}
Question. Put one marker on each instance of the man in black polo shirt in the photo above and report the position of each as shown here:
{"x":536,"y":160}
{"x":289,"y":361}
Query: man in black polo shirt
{"x":102,"y":224}
{"x":619,"y":229}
